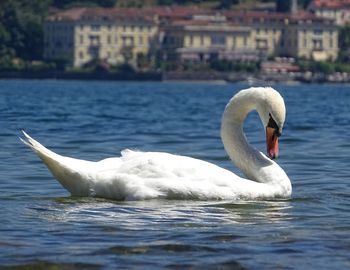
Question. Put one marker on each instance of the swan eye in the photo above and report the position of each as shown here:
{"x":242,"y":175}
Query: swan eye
{"x":272,"y":124}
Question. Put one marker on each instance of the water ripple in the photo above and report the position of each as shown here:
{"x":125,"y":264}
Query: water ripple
{"x":43,"y":228}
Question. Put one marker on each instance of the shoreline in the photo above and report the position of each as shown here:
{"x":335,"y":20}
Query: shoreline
{"x":179,"y":76}
{"x":60,"y":75}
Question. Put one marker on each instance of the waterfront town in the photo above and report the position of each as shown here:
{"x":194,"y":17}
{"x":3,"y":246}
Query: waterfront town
{"x":195,"y":42}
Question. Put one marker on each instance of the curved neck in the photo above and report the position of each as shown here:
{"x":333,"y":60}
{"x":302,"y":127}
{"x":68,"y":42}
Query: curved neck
{"x":254,"y":164}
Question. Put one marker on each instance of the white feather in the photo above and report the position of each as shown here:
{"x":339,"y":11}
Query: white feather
{"x":148,"y":175}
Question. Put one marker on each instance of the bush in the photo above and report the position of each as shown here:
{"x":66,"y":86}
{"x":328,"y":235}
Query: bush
{"x":226,"y":65}
{"x":125,"y":68}
{"x":326,"y":67}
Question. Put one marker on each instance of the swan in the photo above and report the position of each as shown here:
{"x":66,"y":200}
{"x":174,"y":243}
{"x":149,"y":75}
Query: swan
{"x":139,"y":175}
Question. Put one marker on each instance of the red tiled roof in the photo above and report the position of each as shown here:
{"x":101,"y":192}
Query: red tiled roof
{"x":179,"y":13}
{"x":276,"y":66}
{"x":202,"y":20}
{"x":170,"y":13}
{"x":189,"y":22}
{"x":304,"y":15}
{"x":70,"y":14}
{"x":75,"y":14}
{"x":258,"y":16}
{"x":254,"y":14}
{"x":331,"y":4}
{"x":117,"y":13}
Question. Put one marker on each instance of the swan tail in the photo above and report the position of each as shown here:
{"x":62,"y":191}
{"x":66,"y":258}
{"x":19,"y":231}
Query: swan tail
{"x":39,"y":149}
{"x":64,"y":169}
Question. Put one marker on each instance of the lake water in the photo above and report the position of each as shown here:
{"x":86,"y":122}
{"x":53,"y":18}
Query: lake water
{"x":42,"y":227}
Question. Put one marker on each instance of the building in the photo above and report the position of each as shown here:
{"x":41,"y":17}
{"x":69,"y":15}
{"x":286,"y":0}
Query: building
{"x":311,"y":37}
{"x":82,"y":35}
{"x":338,"y":10}
{"x":250,"y":36}
{"x":119,"y":35}
{"x":206,"y":37}
{"x":297,"y":34}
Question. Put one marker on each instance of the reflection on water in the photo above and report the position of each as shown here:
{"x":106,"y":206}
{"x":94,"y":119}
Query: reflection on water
{"x":184,"y":213}
{"x":43,"y":228}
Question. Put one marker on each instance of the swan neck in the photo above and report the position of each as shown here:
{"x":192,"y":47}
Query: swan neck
{"x":233,"y":138}
{"x":253,"y":163}
{"x":242,"y":154}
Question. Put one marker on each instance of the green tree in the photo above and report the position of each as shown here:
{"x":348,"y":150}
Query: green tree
{"x":165,"y":2}
{"x":21,"y":32}
{"x":70,"y":3}
{"x":304,"y":3}
{"x":344,"y":43}
{"x":226,"y":4}
{"x":283,"y":5}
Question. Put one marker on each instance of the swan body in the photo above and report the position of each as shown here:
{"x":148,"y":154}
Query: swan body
{"x":139,"y":175}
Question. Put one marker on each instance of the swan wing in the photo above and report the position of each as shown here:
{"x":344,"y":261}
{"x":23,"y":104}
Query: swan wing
{"x":145,"y":175}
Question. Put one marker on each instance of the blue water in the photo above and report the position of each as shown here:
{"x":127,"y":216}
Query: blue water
{"x":42,"y":227}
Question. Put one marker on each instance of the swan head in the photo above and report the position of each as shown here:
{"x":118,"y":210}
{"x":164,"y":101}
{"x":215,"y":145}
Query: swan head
{"x":272,"y":112}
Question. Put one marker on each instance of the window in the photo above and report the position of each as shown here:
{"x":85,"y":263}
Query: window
{"x":218,"y":40}
{"x":81,"y":55}
{"x":317,"y":45}
{"x":261,"y":44}
{"x":109,"y":39}
{"x":140,"y":41}
{"x":95,"y":27}
{"x":191,"y":40}
{"x":318,"y":32}
{"x":94,"y":40}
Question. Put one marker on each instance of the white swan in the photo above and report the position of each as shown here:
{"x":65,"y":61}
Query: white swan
{"x":147,"y":175}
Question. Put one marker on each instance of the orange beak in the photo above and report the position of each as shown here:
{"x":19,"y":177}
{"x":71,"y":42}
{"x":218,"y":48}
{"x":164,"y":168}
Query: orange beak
{"x":271,"y":143}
